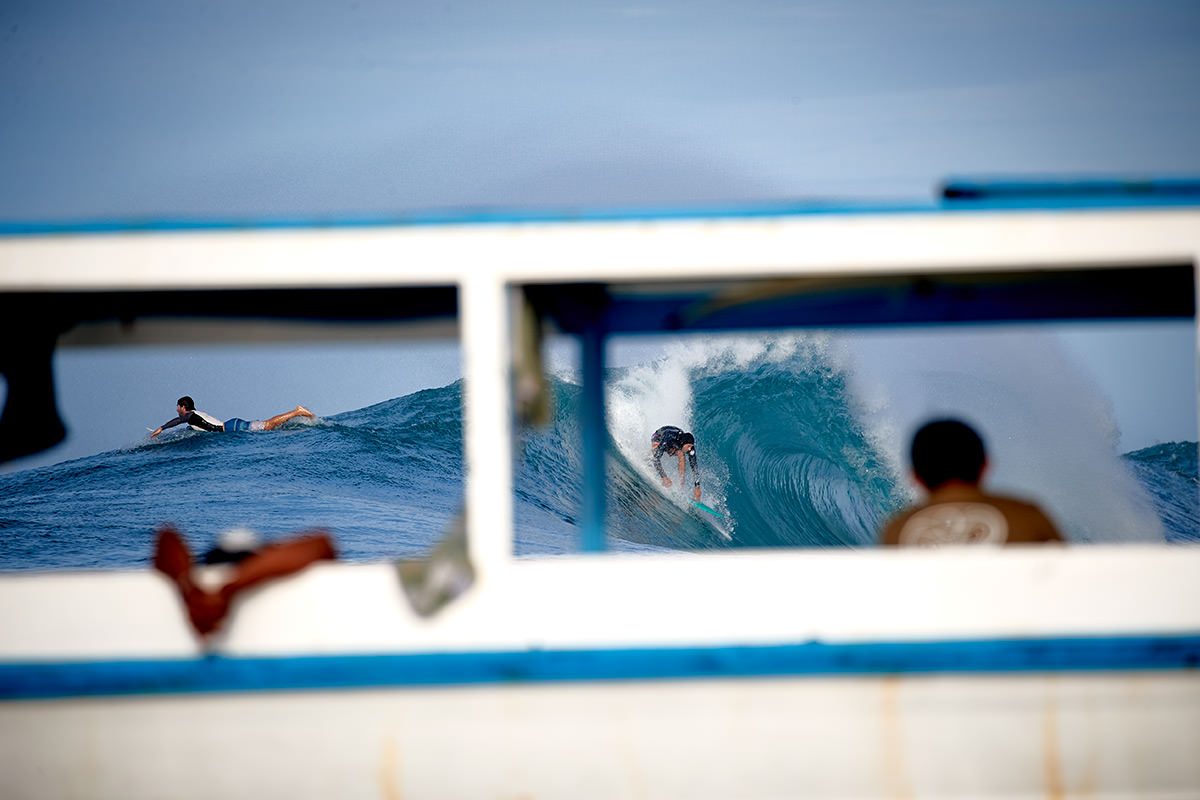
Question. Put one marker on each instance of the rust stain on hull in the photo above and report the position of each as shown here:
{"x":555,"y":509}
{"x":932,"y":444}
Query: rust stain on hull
{"x":1052,"y":767}
{"x":389,"y":783}
{"x":895,"y":755}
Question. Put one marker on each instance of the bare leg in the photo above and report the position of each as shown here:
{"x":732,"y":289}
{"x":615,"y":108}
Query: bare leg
{"x":277,"y":420}
{"x":279,"y":559}
{"x":205,"y":610}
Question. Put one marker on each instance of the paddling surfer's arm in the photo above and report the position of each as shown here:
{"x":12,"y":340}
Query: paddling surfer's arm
{"x":191,"y":418}
{"x":171,"y":423}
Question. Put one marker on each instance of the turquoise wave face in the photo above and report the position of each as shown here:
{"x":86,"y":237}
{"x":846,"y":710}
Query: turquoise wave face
{"x":801,"y":470}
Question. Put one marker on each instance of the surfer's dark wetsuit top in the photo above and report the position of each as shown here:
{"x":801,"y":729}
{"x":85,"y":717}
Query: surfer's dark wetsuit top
{"x":668,"y":440}
{"x":193,"y":419}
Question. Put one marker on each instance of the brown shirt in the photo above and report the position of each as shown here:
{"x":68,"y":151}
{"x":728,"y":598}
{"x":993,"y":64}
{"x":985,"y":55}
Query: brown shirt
{"x":963,"y":514}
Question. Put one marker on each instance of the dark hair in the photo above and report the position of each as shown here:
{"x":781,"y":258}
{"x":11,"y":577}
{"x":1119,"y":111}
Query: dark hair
{"x":945,"y":450}
{"x":687,"y":438}
{"x":188,"y":403}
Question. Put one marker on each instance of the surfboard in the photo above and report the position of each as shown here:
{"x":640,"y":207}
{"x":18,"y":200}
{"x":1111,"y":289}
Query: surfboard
{"x":711,"y":517}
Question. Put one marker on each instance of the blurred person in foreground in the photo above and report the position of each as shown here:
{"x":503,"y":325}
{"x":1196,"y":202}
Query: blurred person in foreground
{"x":249,"y":566}
{"x":948,"y":461}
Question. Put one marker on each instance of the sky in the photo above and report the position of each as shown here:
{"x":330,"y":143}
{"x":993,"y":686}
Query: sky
{"x":325,"y":109}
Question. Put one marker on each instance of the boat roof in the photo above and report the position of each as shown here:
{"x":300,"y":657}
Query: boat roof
{"x":953,"y":196}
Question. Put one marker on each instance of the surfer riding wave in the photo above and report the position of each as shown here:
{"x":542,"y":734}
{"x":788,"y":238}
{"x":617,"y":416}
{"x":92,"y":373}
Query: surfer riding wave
{"x":672,"y":441}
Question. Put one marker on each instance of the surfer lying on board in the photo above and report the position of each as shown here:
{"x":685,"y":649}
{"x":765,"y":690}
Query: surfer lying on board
{"x":207,"y":608}
{"x":672,"y":441}
{"x":948,"y":461}
{"x":185,"y":407}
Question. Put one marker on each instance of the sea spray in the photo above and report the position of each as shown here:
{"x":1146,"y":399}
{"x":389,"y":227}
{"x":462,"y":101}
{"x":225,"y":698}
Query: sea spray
{"x":1049,"y":430}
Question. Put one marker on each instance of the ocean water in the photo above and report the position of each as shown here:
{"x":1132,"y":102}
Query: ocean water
{"x":800,"y":444}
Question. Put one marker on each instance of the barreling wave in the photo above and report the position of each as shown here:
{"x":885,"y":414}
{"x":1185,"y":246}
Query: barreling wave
{"x":782,"y":458}
{"x":782,"y":453}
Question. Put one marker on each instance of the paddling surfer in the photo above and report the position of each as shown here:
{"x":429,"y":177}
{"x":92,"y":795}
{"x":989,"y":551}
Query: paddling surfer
{"x":186,"y":414}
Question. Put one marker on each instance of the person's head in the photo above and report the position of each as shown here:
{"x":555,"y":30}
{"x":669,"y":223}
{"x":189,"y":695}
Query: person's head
{"x":947,"y":450}
{"x":672,"y":446}
{"x":185,"y":404}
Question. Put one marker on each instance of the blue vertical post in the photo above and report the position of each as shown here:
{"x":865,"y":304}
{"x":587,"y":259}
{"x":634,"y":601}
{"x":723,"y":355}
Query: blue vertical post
{"x":595,"y":437}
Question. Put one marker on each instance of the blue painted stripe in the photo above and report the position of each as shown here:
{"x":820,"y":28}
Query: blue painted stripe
{"x":955,"y":196}
{"x":29,"y":680}
{"x":454,"y":217}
